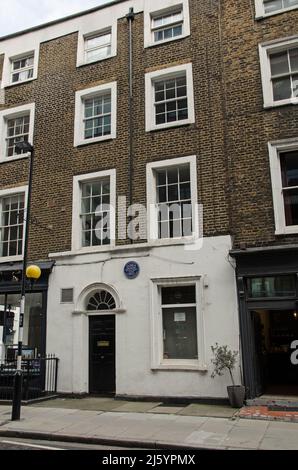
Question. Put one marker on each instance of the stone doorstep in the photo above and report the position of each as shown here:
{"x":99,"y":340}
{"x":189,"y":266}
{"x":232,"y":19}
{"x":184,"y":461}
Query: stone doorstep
{"x":265,"y":412}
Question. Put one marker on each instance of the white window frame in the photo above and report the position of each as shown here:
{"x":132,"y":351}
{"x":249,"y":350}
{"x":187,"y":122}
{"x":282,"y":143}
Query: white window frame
{"x":76,"y":211}
{"x":12,"y":113}
{"x":152,"y":219}
{"x":7,"y":67}
{"x":275,"y":148}
{"x":260,"y":10}
{"x":171,"y":72}
{"x":264,"y":51}
{"x":157,"y":359}
{"x":83,"y":35}
{"x":14,"y":192}
{"x":80,"y":97}
{"x":152,"y":9}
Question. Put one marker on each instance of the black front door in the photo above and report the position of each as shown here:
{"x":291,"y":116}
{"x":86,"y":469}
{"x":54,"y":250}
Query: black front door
{"x":102,"y":375}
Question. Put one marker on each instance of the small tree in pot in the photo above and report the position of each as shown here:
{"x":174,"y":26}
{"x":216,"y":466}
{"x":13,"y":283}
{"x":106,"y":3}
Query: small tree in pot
{"x":224,"y":359}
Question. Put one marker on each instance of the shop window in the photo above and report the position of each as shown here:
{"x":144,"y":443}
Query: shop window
{"x":9,"y":325}
{"x":271,"y":286}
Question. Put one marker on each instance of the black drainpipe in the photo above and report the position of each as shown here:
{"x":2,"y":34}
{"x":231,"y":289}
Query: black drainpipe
{"x":130,"y":18}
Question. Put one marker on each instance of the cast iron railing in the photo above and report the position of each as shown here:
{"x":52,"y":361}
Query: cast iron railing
{"x":39,"y":377}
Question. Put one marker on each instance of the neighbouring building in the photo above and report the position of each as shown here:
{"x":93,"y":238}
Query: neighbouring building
{"x":183,"y":108}
{"x":261,"y":57}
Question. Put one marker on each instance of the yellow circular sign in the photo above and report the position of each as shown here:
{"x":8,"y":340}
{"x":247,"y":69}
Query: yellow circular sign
{"x":33,"y":272}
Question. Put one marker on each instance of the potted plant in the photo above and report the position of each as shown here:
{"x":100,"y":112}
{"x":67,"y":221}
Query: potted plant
{"x":224,"y":359}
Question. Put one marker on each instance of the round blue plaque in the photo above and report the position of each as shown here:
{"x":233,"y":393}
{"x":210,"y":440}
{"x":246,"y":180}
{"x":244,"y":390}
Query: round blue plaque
{"x":131,"y":270}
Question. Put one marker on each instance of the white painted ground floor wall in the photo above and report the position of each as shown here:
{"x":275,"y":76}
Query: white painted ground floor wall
{"x":140,"y":370}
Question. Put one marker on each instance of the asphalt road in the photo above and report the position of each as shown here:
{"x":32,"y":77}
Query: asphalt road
{"x":7,"y":443}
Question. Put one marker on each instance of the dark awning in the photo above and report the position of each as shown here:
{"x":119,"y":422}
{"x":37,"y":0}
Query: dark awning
{"x":264,"y":261}
{"x":44,"y":266}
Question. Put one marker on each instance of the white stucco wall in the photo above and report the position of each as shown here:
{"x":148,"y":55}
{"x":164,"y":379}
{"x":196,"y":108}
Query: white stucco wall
{"x":67,"y":332}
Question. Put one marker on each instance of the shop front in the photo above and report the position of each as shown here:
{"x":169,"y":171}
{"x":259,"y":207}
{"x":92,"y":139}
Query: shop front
{"x":34,"y":338}
{"x":267,"y":282}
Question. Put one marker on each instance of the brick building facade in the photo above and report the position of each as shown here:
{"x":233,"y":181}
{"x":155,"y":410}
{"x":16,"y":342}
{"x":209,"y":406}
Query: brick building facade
{"x":222,"y":140}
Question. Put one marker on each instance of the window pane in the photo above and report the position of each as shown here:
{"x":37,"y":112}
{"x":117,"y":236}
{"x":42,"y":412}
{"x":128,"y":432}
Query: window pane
{"x":178,"y":295}
{"x":289,"y":168}
{"x":164,"y":231}
{"x":281,"y":89}
{"x":279,"y":286}
{"x":295,"y":85}
{"x":98,"y":54}
{"x":33,"y":322}
{"x":290,"y":3}
{"x":170,"y":93}
{"x":294,"y":59}
{"x":167,"y":19}
{"x":181,"y":91}
{"x":279,"y":63}
{"x":171,"y":116}
{"x":160,"y":119}
{"x":272,"y":5}
{"x":172,"y":175}
{"x":184,"y":173}
{"x":162,"y":194}
{"x":158,"y":36}
{"x":161,"y":177}
{"x":173,"y":192}
{"x":163,"y":212}
{"x":86,"y":239}
{"x":182,"y":114}
{"x":185,"y":191}
{"x":177,"y":31}
{"x":168,"y":33}
{"x":100,"y":40}
{"x":180,"y":333}
{"x":187,"y":227}
{"x":291,"y":206}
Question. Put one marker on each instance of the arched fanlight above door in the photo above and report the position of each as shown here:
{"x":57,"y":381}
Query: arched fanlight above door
{"x":101,"y":300}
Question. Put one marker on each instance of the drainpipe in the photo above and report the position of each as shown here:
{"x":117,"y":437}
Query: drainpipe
{"x":130,"y":18}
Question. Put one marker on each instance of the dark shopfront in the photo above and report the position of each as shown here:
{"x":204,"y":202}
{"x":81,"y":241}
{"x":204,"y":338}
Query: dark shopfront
{"x":34,"y":340}
{"x":267,"y":282}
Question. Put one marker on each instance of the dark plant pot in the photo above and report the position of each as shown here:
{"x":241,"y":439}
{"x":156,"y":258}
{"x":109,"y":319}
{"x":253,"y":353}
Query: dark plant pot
{"x":236,"y":395}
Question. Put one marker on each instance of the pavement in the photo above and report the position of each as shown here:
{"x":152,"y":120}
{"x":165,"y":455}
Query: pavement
{"x":127,"y":427}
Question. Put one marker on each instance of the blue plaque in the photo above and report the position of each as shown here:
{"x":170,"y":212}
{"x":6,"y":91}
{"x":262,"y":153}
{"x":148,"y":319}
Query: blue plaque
{"x":131,"y":270}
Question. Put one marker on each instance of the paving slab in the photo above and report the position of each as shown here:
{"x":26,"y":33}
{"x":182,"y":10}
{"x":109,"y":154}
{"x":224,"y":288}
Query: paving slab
{"x":288,"y":440}
{"x":249,"y":437}
{"x":178,"y":432}
{"x":91,"y":404}
{"x":204,"y":438}
{"x":167,"y":410}
{"x":137,"y":407}
{"x":218,"y":411}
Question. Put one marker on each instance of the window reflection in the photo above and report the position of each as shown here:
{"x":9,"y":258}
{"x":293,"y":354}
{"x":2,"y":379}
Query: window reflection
{"x":9,"y":325}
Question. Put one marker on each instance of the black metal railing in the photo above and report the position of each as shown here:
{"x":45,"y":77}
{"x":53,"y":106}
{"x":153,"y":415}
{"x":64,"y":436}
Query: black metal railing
{"x":39,"y":377}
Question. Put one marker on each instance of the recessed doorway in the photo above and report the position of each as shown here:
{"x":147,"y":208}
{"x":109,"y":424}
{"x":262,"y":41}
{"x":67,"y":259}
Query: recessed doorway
{"x":274,"y":332}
